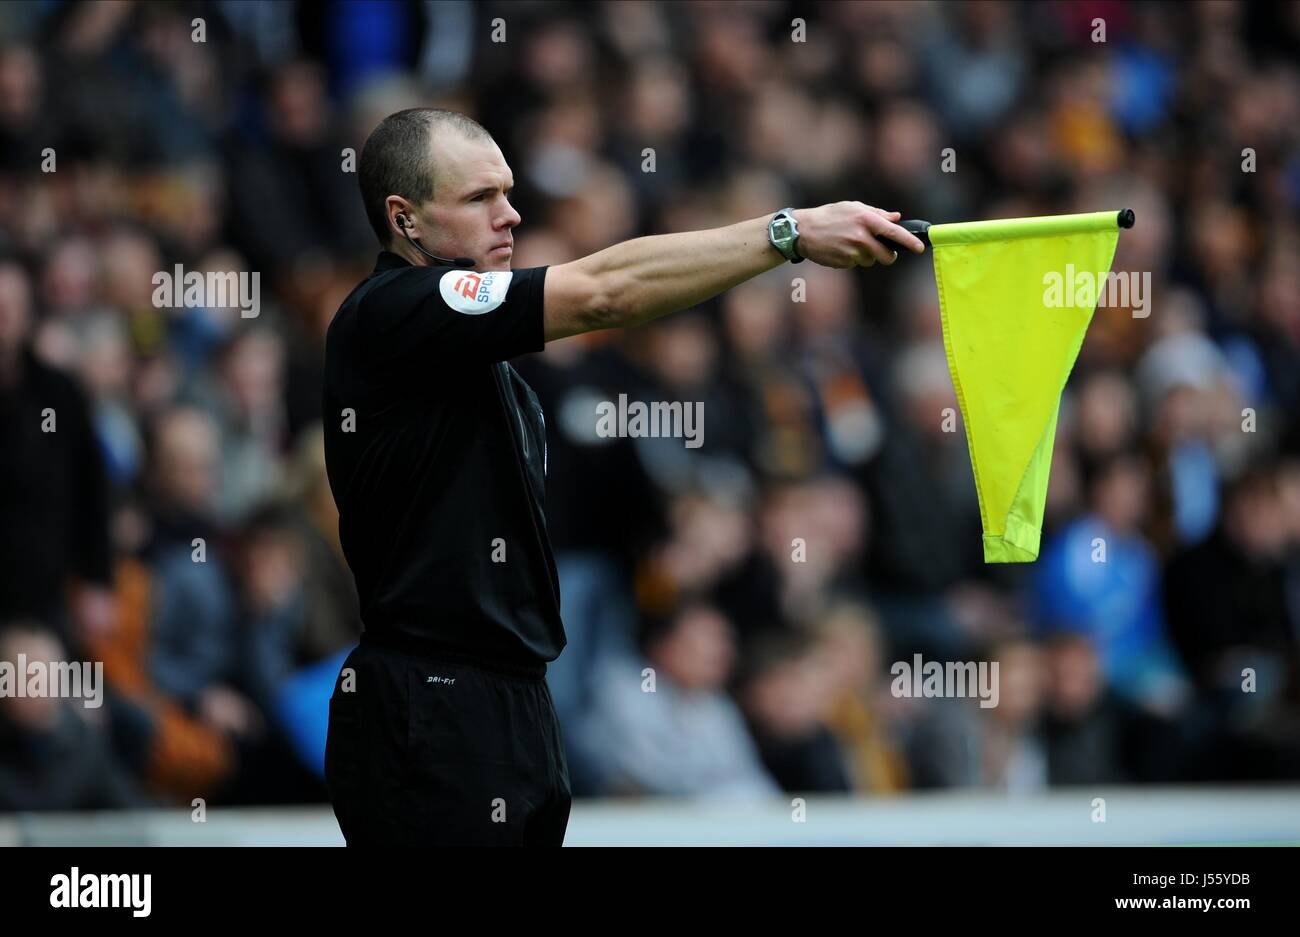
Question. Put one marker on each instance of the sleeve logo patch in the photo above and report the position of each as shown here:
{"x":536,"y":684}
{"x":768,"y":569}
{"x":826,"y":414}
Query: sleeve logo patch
{"x":474,"y":293}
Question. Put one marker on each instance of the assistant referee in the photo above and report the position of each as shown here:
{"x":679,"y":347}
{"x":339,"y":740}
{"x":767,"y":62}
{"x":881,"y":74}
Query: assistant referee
{"x":441,"y":728}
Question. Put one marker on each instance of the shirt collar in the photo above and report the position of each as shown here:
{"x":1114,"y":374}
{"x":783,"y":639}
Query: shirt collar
{"x":389,"y":261}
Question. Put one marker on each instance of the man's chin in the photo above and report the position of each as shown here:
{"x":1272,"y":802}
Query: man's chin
{"x":498,"y":259}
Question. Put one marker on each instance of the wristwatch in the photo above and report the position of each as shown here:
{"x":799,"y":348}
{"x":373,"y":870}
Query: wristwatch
{"x":783,"y":232}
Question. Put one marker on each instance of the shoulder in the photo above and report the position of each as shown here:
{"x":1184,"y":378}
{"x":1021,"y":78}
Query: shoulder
{"x":57,"y":388}
{"x":397,"y":291}
{"x":376,"y":292}
{"x":52,"y":379}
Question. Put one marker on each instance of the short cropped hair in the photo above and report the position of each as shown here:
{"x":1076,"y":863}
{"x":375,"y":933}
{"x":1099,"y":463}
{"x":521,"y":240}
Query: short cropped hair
{"x":397,"y":159}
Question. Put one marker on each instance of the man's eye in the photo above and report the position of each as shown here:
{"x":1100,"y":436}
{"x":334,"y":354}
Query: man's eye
{"x":479,"y":198}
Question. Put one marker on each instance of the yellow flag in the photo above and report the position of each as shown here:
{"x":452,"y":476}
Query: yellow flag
{"x":1016,"y":298}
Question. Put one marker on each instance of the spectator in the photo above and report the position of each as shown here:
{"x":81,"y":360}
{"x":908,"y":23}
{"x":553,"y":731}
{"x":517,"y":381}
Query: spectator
{"x":1227,"y":601}
{"x":958,"y":743}
{"x":1092,"y":735}
{"x":1100,"y":577}
{"x":785,"y":692}
{"x":194,"y":630}
{"x":663,"y":724}
{"x":56,"y":754}
{"x":54,"y":495}
{"x":861,"y":712}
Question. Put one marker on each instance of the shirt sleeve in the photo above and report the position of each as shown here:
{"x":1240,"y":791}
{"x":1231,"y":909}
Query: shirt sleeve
{"x":438,"y":315}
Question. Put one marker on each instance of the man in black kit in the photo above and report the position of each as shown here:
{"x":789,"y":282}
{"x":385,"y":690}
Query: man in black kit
{"x":442,"y":729}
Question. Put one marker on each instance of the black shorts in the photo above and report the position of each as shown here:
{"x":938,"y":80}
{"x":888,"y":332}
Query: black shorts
{"x":430,"y":752}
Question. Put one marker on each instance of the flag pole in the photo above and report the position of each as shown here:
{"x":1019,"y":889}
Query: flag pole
{"x":1124,"y":218}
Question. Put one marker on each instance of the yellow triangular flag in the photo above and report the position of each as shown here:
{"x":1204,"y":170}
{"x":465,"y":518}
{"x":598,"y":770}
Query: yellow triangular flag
{"x":1016,"y":298}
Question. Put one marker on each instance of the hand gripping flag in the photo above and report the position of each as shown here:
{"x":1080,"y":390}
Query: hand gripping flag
{"x":1014,"y":316}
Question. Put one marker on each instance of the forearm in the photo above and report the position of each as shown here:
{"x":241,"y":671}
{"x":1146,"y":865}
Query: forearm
{"x":648,"y":277}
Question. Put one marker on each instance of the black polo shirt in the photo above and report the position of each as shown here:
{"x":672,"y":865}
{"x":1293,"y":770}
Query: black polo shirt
{"x":435,"y":449}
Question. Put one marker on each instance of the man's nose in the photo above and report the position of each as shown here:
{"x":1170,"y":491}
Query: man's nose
{"x":511,"y":217}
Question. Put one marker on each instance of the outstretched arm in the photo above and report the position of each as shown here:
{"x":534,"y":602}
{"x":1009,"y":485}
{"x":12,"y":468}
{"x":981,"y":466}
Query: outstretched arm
{"x":642,"y":279}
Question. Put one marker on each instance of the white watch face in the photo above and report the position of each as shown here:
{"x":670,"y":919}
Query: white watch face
{"x":783,"y":235}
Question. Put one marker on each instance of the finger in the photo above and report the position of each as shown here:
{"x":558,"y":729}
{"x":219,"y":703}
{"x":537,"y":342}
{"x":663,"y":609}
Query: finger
{"x":863,"y":255}
{"x":882,"y":252}
{"x":902,"y":237}
{"x":885,"y":214}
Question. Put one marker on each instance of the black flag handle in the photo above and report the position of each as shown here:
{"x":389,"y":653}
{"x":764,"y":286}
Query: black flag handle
{"x":920,"y":228}
{"x":911,"y":226}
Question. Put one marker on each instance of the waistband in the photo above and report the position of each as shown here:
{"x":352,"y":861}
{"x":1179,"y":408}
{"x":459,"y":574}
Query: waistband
{"x":432,"y":650}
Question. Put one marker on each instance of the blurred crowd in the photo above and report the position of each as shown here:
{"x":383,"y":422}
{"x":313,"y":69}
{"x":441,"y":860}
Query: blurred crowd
{"x":733,"y":611}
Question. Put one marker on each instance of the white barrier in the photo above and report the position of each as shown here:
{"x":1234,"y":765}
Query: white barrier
{"x":1133,"y":816}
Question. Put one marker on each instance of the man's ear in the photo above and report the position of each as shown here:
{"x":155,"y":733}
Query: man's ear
{"x":398,"y":210}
